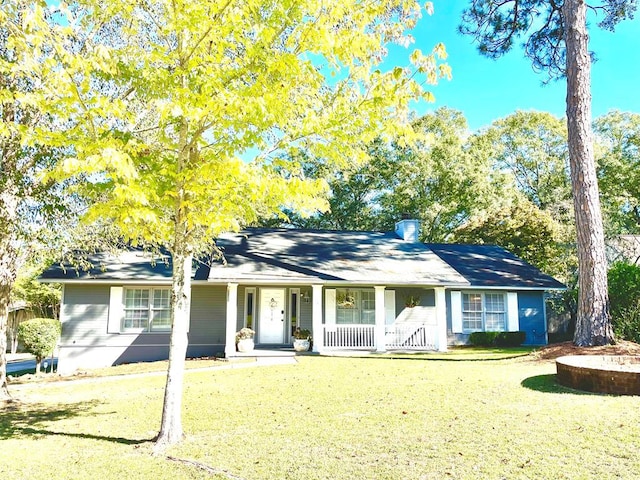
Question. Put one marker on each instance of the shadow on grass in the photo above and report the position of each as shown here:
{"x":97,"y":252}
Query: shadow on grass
{"x":436,"y":357}
{"x":548,"y":384}
{"x":18,"y":418}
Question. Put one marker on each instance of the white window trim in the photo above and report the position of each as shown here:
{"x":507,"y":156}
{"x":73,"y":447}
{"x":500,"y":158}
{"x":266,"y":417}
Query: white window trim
{"x":484,"y":311}
{"x":330,"y":309}
{"x":513,"y":313}
{"x":389,"y":306}
{"x":456,"y":311}
{"x":150,"y":310}
{"x":116,"y":309}
{"x":357,"y":293}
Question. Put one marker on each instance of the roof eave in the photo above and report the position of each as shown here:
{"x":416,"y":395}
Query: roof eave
{"x":515,"y":287}
{"x":117,"y":281}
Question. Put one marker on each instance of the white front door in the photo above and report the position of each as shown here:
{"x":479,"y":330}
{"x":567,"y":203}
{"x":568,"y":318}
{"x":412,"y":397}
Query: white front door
{"x":272,"y":315}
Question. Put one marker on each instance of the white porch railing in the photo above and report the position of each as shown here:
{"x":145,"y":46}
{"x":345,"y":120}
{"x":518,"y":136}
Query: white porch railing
{"x":349,"y":337}
{"x":411,"y":336}
{"x":399,"y":336}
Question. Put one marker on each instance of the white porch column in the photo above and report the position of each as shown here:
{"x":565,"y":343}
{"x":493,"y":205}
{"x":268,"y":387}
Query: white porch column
{"x":316,"y":318}
{"x":232,"y":320}
{"x":380,"y":319}
{"x":441,"y":319}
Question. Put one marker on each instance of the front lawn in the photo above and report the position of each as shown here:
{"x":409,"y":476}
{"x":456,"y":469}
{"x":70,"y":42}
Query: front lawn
{"x":329,"y":418}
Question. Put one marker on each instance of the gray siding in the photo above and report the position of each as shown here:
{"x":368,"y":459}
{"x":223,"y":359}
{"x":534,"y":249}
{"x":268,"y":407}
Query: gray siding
{"x":84,"y":314}
{"x":306,"y":315}
{"x":208,"y":315}
{"x":241,"y":305}
{"x":85,"y":342}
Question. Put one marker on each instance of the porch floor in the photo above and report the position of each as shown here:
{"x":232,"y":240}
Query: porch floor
{"x":270,"y":351}
{"x":267,"y":351}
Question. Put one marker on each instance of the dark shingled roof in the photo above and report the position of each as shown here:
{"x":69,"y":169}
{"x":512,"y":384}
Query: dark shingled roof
{"x":493,"y":266}
{"x":291,"y":256}
{"x":342,"y":256}
{"x":131,"y":265}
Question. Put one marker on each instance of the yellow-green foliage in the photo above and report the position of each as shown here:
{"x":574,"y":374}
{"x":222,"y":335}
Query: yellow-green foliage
{"x":194,"y":114}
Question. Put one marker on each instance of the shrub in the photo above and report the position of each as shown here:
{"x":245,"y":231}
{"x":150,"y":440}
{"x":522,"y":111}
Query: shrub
{"x":483,"y":339}
{"x":626,"y":323}
{"x":39,"y":337}
{"x":624,"y":287}
{"x":511,"y":339}
{"x":624,"y":298}
{"x":497,"y":339}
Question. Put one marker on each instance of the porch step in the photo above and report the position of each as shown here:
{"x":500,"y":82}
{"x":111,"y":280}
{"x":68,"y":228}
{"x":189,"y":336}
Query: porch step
{"x":262,"y":352}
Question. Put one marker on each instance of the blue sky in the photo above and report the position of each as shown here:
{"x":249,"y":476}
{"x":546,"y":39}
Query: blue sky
{"x":486,"y":90}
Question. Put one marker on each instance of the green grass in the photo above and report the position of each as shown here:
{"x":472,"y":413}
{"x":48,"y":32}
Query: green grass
{"x":330,"y":418}
{"x":124,"y":369}
{"x":467,"y":353}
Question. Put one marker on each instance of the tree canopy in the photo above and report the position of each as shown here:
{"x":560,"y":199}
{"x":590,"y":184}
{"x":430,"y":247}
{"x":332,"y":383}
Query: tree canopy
{"x":194,"y":115}
{"x":556,"y":40}
{"x":443,"y":180}
{"x":618,"y":156}
{"x":497,"y":26}
{"x":34,"y":113}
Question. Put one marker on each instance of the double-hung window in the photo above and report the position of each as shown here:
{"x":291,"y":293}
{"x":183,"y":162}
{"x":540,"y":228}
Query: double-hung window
{"x":484,"y":312}
{"x":355,"y":306}
{"x":368,"y":307}
{"x":146,"y":310}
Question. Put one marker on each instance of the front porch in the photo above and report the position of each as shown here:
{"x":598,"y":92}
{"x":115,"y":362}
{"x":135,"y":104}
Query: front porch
{"x":286,"y":351}
{"x":270,"y":351}
{"x":383,"y":326}
{"x":415,"y":336}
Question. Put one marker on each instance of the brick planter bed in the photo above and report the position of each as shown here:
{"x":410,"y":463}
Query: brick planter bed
{"x":616,"y":374}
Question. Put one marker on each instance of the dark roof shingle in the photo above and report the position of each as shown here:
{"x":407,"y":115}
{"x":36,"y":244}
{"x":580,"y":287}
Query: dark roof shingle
{"x":305,"y":256}
{"x":329,"y":256}
{"x":493,"y":266}
{"x":127,"y":265}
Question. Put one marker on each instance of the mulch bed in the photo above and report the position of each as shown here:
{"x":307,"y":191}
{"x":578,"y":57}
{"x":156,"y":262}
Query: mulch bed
{"x":551,"y":352}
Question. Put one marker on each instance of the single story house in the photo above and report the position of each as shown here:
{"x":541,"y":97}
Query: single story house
{"x":374,"y":291}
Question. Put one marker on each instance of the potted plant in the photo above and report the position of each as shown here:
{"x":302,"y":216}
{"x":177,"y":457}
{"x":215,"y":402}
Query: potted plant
{"x":244,"y":340}
{"x":301,"y":340}
{"x":412,"y":301}
{"x":346,"y":299}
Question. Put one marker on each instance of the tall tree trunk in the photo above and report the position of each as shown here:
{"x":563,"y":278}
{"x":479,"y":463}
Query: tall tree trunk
{"x":13,"y":336}
{"x":8,"y":215}
{"x":4,"y":304}
{"x":12,"y":332}
{"x":171,"y":424}
{"x":593,"y":323}
{"x":7,"y":278}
